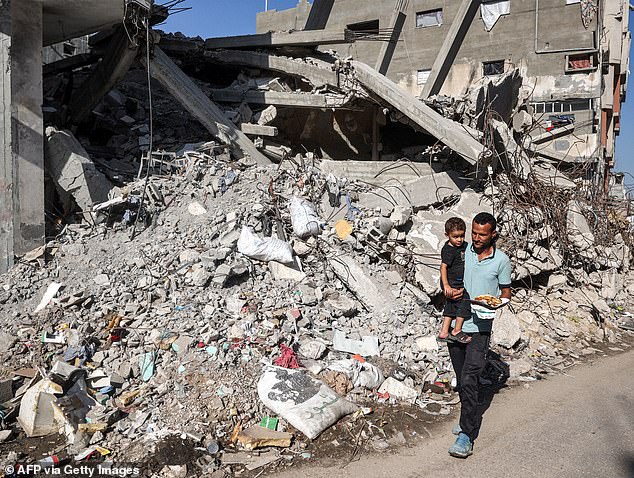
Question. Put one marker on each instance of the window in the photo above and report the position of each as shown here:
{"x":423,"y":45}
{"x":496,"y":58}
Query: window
{"x":430,"y":18}
{"x":371,"y":26}
{"x":490,"y":68}
{"x":422,"y":76}
{"x":69,"y":48}
{"x":580,"y":63}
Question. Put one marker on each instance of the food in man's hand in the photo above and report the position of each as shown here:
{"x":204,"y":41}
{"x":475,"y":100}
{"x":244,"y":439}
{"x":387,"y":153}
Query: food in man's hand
{"x":490,"y":300}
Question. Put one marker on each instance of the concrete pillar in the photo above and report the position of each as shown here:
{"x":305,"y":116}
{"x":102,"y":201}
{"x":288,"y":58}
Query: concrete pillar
{"x":6,"y":156}
{"x":27,"y":127}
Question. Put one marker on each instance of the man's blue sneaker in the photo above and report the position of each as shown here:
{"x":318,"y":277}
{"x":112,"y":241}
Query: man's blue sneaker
{"x":456,"y":430}
{"x":462,"y":448}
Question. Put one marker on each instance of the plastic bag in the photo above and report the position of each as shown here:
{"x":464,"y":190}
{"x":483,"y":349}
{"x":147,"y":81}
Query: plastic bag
{"x":304,"y":218}
{"x":306,"y":403}
{"x":264,"y":249}
{"x":361,"y":374}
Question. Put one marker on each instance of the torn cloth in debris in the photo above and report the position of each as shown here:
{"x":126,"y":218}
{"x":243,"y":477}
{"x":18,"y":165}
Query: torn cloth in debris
{"x":492,"y":11}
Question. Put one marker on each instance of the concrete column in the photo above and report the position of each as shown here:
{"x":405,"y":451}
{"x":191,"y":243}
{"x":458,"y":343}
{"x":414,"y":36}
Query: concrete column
{"x":27,"y":126}
{"x":6,"y":156}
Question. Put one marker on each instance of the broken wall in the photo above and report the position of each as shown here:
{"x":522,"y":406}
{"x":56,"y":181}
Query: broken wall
{"x":512,"y":39}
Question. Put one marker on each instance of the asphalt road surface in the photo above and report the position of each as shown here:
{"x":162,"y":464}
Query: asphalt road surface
{"x":576,"y":425}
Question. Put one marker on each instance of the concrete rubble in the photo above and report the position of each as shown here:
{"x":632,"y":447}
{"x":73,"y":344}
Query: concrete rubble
{"x":191,"y":304}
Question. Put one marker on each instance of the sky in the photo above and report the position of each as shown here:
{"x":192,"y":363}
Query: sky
{"x":216,"y":18}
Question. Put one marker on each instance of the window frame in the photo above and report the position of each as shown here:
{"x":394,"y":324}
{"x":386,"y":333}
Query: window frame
{"x":493,"y":62}
{"x":428,"y":12}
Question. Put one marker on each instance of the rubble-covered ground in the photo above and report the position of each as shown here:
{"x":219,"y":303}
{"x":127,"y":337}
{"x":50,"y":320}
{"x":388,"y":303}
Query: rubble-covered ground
{"x":181,"y":296}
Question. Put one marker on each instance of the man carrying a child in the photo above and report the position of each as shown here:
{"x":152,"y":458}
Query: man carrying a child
{"x":487,"y":271}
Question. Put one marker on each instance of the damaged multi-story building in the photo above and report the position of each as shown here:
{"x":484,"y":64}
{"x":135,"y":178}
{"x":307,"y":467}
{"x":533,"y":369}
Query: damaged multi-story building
{"x":573,"y":56}
{"x":336,"y":79}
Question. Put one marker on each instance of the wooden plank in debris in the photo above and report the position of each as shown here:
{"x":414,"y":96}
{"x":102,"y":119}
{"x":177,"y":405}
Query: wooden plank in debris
{"x":316,"y":75}
{"x":281,"y":39}
{"x":449,"y":49}
{"x":397,"y":22}
{"x":258,"y":130}
{"x":452,"y":134}
{"x":108,"y":73}
{"x":183,"y":89}
{"x":278,"y":98}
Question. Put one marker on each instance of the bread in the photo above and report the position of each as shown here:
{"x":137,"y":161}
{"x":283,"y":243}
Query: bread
{"x":490,"y":300}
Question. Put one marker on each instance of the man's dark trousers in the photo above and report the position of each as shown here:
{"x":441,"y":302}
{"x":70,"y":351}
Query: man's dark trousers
{"x":468,"y":362}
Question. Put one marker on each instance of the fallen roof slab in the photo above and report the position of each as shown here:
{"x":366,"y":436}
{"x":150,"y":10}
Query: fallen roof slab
{"x":316,"y":75}
{"x":277,"y":98}
{"x":281,"y":39}
{"x":376,"y":172}
{"x":452,"y":134}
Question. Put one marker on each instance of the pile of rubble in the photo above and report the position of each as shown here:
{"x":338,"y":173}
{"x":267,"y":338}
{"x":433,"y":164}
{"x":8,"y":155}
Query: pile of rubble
{"x":200,"y":303}
{"x":118,"y":341}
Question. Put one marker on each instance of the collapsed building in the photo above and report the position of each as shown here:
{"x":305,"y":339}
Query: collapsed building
{"x":184,"y":213}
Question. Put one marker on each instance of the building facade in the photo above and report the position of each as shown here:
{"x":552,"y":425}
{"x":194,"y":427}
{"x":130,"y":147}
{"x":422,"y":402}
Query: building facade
{"x":573,"y":56}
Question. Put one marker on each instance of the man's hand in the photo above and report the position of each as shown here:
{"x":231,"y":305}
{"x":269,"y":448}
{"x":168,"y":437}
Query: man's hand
{"x":457,"y":294}
{"x":449,"y":291}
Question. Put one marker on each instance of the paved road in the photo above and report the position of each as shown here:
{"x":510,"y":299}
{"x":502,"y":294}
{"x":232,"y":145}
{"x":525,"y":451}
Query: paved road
{"x":575,"y":425}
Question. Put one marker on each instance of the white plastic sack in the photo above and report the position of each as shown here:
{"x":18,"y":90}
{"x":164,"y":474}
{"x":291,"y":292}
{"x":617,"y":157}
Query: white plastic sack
{"x":304,"y":218}
{"x":306,"y":403}
{"x":264,"y":249}
{"x":360,"y":374}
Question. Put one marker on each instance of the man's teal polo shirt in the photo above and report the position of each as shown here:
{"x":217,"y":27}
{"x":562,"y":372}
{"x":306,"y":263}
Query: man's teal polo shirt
{"x":486,"y":276}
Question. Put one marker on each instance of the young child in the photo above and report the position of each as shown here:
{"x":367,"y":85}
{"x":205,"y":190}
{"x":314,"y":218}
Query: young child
{"x":452,"y":275}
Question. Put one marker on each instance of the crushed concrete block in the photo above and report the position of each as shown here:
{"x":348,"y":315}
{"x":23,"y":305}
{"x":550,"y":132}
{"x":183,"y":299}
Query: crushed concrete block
{"x":519,"y":367}
{"x":556,"y":280}
{"x":72,"y":171}
{"x":6,"y":341}
{"x":427,"y":343}
{"x":506,"y":329}
{"x":400,"y":215}
{"x":340,"y":305}
{"x":290,"y":272}
{"x":366,"y":347}
{"x":372,"y":294}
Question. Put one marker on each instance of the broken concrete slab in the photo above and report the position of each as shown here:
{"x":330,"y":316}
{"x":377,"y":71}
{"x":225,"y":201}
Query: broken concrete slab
{"x":506,"y":329}
{"x":305,"y":38}
{"x":258,"y":130}
{"x":318,"y":76}
{"x":368,"y":346}
{"x":181,"y":87}
{"x":73,"y":172}
{"x":415,"y":195}
{"x":275,"y":98}
{"x":452,"y":134}
{"x":366,"y":288}
{"x":376,"y":172}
